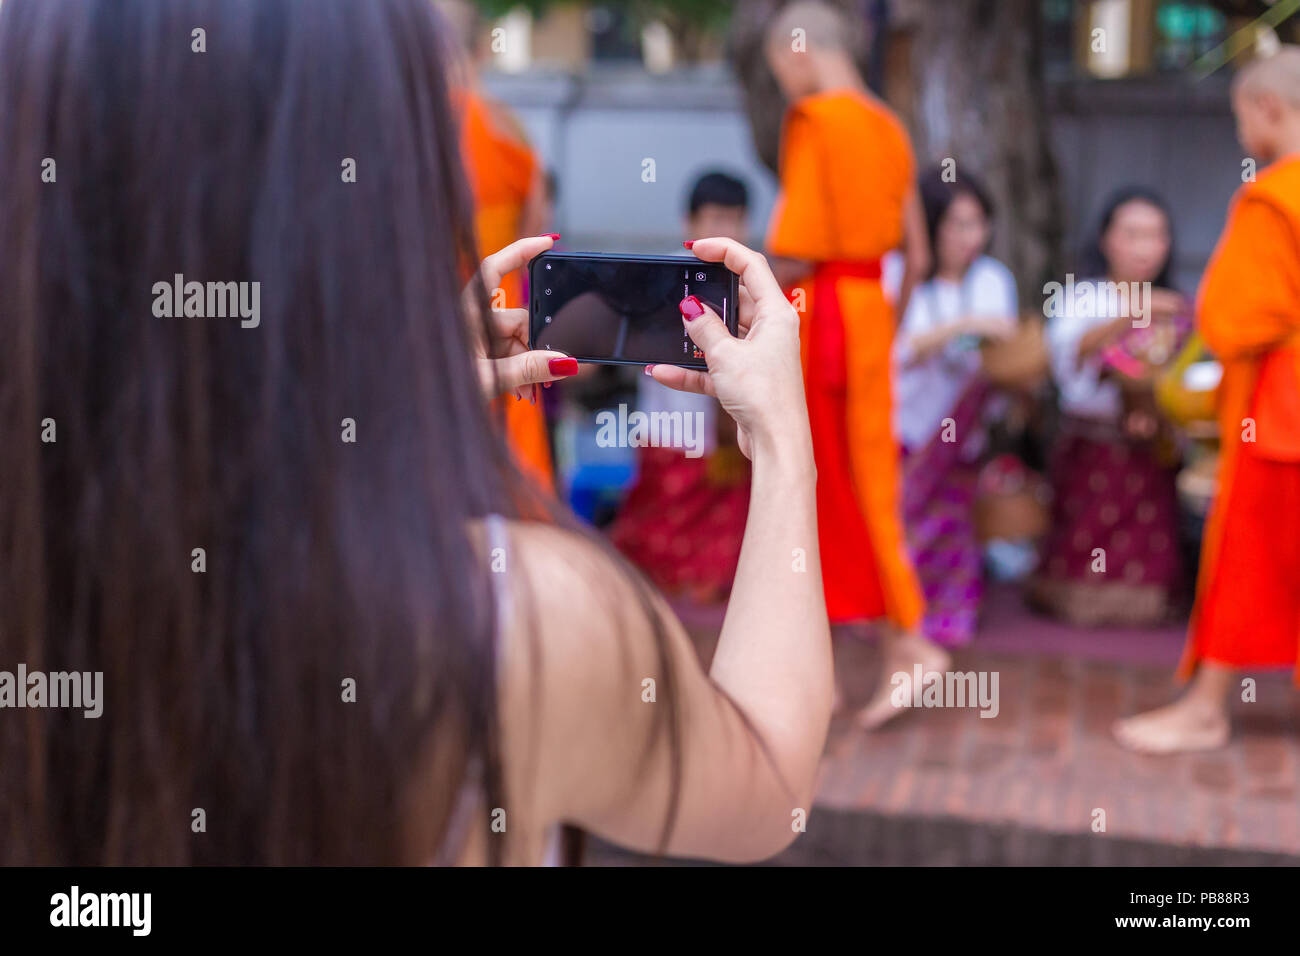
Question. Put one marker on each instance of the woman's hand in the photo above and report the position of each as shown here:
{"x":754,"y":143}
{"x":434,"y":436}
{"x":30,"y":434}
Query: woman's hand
{"x":924,"y":346}
{"x":995,"y":328}
{"x":505,"y":362}
{"x":1167,"y":305}
{"x":757,"y":377}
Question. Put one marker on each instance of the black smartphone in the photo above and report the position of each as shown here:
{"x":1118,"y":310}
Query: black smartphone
{"x":621,"y":309}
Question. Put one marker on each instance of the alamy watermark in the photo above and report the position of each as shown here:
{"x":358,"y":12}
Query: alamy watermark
{"x":74,"y":689}
{"x":75,"y":908}
{"x":658,"y":429}
{"x":950,"y":689}
{"x":1098,"y":297}
{"x":209,"y":300}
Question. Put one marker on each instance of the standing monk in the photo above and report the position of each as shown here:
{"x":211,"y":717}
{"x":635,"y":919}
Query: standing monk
{"x":1247,"y":613}
{"x":848,"y":196}
{"x":508,"y":189}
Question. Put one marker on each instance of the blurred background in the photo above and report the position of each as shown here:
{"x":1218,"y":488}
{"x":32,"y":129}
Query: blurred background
{"x":626,"y":105}
{"x":1010,"y":88}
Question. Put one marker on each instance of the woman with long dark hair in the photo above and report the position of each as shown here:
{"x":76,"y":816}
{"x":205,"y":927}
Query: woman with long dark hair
{"x":334,"y":624}
{"x":1112,"y":555}
{"x":940,"y":397}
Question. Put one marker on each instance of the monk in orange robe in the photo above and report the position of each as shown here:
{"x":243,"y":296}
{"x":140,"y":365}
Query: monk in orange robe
{"x":1247,"y":613}
{"x":504,"y":177}
{"x":848,"y":196}
{"x":508,"y":189}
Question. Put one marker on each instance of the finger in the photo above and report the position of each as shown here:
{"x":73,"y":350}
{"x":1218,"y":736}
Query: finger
{"x":505,"y":261}
{"x":530,"y":368}
{"x":510,"y":328}
{"x":751,"y":266}
{"x":744,"y":313}
{"x":682,"y":379}
{"x":703,"y":325}
{"x":492,"y":385}
{"x":510,"y":322}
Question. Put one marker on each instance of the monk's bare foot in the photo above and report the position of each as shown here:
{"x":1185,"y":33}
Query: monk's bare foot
{"x":901,"y":657}
{"x":1186,"y":725}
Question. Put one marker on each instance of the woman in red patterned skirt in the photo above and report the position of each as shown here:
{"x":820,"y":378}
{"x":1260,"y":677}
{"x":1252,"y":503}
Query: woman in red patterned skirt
{"x":1112,"y":555}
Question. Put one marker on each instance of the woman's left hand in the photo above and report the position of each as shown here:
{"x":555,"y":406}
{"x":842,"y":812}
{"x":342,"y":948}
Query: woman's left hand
{"x":505,"y":362}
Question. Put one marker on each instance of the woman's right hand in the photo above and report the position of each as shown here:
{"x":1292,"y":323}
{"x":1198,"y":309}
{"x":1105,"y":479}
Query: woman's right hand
{"x":995,"y":328}
{"x":1167,"y":305}
{"x":757,"y":377}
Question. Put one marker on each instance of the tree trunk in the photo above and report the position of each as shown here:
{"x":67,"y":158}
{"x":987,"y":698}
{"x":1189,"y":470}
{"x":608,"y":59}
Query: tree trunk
{"x":977,"y":83}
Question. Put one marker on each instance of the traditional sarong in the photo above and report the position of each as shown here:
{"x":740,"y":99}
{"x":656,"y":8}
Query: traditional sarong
{"x":1111,"y":556}
{"x":684,"y":520}
{"x":940,"y":483}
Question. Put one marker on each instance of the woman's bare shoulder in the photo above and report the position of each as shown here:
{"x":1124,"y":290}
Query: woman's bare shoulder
{"x":576,"y":653}
{"x":575,"y":590}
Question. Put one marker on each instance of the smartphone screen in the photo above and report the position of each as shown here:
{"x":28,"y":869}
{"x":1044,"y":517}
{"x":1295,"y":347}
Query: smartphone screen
{"x":623,"y":310}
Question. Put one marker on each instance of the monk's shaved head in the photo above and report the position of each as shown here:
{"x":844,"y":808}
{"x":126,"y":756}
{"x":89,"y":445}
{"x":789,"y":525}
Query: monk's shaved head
{"x":1266,"y":102}
{"x":824,"y":26}
{"x":809,"y":48}
{"x":1278,"y":74}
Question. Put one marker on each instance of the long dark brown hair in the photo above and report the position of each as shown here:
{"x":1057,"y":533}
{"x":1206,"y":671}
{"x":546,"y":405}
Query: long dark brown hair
{"x":937,"y":195}
{"x":1095,"y":265}
{"x":129,"y":157}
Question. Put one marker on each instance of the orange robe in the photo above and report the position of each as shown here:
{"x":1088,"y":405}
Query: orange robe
{"x":1248,"y":596}
{"x":502,"y":171}
{"x":846,"y":168}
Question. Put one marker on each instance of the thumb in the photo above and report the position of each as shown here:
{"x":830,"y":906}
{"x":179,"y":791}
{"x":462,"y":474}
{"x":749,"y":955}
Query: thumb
{"x":532,"y":367}
{"x":703,"y":325}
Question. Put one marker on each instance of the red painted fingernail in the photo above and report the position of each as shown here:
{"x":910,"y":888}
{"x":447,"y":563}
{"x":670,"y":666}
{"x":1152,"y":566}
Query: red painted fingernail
{"x":649,"y":369}
{"x":546,"y":385}
{"x":563,"y":366}
{"x":549,"y":235}
{"x":691,"y":308}
{"x":688,"y":243}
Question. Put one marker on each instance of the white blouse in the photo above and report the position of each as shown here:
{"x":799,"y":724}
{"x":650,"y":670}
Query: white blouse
{"x":926,"y":392}
{"x":1083,"y":390}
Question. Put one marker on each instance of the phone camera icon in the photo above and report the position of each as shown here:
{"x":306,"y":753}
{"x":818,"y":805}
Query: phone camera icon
{"x":700,"y":277}
{"x":548,"y":267}
{"x":548,"y":320}
{"x":548,"y":291}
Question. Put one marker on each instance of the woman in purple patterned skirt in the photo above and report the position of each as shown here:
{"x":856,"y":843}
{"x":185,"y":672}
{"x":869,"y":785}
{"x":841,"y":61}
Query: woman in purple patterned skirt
{"x":940,"y":399}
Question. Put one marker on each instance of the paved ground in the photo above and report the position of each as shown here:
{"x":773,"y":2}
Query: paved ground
{"x":947,"y":786}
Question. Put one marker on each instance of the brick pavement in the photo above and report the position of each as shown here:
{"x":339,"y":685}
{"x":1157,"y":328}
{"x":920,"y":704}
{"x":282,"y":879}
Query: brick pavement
{"x":947,"y":786}
{"x":1047,"y":761}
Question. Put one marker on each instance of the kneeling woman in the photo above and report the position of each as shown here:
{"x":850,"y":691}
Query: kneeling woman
{"x":940,"y":397}
{"x":1111,"y":556}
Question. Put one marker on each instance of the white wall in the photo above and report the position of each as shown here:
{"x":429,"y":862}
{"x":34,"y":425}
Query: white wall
{"x":595,"y":130}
